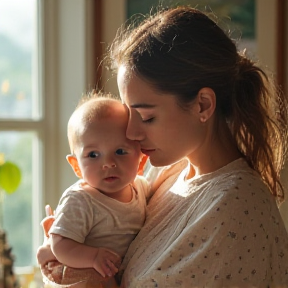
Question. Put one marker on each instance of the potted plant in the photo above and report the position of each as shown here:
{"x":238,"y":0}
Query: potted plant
{"x":10,"y":178}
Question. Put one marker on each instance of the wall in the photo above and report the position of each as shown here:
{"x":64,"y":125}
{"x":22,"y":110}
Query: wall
{"x":111,"y":10}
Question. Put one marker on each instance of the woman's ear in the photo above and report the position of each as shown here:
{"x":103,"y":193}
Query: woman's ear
{"x":207,"y":103}
{"x":72,"y":160}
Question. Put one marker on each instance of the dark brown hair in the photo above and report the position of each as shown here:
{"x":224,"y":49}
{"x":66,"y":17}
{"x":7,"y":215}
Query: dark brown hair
{"x":181,"y":50}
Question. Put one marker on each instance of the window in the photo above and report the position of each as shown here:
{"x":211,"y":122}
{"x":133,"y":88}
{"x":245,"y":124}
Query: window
{"x":20,"y":122}
{"x":46,"y":56}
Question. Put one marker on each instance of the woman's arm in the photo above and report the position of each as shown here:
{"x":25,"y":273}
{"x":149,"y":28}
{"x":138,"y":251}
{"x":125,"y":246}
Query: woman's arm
{"x":78,"y":255}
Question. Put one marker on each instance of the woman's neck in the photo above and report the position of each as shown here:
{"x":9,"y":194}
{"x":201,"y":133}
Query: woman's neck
{"x":218,"y":150}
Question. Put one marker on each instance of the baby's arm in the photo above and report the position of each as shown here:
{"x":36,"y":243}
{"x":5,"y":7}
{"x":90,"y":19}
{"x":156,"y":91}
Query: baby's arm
{"x":78,"y":255}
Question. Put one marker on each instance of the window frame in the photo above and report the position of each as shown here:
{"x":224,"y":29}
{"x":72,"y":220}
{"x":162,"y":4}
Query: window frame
{"x":67,"y":72}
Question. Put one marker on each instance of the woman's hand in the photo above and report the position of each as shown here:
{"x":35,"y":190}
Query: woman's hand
{"x":44,"y":252}
{"x":106,"y":262}
{"x":45,"y":255}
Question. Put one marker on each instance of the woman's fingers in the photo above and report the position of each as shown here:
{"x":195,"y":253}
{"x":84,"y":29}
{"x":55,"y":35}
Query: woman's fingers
{"x":107,"y":262}
{"x":44,"y":255}
{"x":48,"y":210}
{"x":46,"y":224}
{"x":112,"y":266}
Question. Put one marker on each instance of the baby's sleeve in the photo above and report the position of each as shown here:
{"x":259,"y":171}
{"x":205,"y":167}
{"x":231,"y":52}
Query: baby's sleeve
{"x":73,"y":217}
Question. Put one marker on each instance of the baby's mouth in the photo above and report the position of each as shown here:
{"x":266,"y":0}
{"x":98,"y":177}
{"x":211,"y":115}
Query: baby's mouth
{"x":111,"y":178}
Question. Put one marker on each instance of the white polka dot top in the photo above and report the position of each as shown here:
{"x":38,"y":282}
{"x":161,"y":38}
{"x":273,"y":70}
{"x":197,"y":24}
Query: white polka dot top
{"x":222,"y":229}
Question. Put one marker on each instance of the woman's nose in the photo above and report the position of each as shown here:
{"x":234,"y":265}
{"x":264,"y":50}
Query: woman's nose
{"x":133,"y":131}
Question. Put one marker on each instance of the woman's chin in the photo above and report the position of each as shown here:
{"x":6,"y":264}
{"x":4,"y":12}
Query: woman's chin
{"x":162,"y":162}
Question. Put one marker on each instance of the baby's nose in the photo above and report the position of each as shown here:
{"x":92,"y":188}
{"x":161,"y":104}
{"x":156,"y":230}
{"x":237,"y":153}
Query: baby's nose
{"x":109,"y":164}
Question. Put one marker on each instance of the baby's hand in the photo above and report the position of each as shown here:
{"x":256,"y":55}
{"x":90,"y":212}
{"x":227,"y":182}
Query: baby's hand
{"x":106,"y":262}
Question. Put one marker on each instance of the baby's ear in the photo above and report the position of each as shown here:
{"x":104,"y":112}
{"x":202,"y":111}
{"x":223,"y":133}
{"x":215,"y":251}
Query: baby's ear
{"x":72,"y":160}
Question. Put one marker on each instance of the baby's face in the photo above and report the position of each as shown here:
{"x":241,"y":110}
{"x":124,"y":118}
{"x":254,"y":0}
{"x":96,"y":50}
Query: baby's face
{"x":107,"y":159}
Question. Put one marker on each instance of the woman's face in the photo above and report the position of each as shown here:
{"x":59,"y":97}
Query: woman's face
{"x":166,"y":132}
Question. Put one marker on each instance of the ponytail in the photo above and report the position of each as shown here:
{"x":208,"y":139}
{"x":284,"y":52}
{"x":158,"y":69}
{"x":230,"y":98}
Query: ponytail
{"x":259,"y":123}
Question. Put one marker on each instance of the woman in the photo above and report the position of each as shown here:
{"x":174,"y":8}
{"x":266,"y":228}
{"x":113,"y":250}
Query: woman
{"x":195,"y":101}
{"x":216,"y":123}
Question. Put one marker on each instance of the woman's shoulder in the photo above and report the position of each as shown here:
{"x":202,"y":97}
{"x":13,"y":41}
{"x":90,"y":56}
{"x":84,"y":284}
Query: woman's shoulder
{"x":236,"y":188}
{"x":240,"y":182}
{"x":242,"y":191}
{"x":237,"y":176}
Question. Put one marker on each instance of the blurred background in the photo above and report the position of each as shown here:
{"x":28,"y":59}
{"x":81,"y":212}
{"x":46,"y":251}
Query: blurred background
{"x":50,"y":54}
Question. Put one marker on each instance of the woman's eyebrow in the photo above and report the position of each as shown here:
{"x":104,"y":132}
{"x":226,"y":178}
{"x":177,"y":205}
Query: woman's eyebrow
{"x":142,"y":105}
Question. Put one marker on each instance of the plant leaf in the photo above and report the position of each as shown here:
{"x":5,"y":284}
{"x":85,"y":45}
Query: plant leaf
{"x":10,"y":177}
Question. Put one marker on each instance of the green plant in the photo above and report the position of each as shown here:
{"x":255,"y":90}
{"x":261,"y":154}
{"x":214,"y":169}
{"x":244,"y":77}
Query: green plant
{"x":10,"y":178}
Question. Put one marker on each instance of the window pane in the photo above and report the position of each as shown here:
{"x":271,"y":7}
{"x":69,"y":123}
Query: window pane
{"x":18,"y":100}
{"x":17,"y":42}
{"x":17,"y":147}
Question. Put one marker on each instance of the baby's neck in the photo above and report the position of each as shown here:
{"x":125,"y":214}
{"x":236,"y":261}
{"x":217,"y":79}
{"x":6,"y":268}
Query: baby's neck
{"x":124,"y":195}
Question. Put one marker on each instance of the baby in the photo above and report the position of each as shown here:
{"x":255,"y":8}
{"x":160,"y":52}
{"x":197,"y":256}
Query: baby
{"x":99,"y":215}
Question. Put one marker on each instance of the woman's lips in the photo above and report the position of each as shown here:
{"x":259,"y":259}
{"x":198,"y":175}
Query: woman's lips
{"x":147,"y":151}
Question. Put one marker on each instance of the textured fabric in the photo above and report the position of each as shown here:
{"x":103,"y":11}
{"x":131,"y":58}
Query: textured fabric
{"x":222,"y":229}
{"x":98,"y":221}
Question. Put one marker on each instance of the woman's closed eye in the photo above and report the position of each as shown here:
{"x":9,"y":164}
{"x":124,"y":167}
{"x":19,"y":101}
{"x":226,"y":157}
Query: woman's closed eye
{"x":148,"y":120}
{"x":146,"y":113}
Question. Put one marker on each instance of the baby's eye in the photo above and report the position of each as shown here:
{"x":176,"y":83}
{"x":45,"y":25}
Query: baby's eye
{"x":93,"y":154}
{"x":121,"y":151}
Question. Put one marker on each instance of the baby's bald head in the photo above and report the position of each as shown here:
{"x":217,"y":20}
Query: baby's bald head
{"x":89,"y":110}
